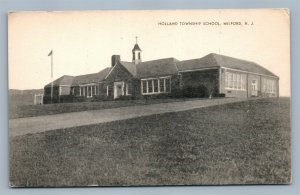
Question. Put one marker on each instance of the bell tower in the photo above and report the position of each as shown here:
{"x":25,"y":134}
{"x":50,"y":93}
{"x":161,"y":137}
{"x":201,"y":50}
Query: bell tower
{"x":136,"y":53}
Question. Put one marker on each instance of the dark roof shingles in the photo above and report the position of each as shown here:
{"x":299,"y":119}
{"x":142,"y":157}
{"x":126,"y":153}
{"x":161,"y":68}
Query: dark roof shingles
{"x":167,"y":66}
{"x":91,"y":78}
{"x":216,"y":60}
{"x":64,"y":80}
{"x":130,"y":66}
{"x":161,"y":67}
{"x":136,"y":48}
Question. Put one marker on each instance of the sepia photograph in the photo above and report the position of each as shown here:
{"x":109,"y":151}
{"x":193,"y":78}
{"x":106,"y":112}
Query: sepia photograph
{"x":149,"y":97}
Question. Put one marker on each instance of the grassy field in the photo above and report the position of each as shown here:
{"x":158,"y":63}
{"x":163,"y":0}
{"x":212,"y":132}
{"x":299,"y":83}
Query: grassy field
{"x":17,"y":110}
{"x":239,"y":143}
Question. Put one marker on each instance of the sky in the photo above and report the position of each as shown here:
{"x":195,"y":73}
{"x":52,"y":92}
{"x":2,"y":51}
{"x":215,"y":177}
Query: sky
{"x":84,"y":41}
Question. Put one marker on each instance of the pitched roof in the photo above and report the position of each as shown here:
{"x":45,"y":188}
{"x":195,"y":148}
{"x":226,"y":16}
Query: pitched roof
{"x":91,"y":78}
{"x":64,"y":80}
{"x":130,"y":66}
{"x":159,"y":67}
{"x":136,"y":47}
{"x":166,"y":66}
{"x":216,"y":60}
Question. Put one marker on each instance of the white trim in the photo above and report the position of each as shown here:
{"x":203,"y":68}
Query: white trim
{"x":147,"y":87}
{"x":254,"y":92}
{"x":115,"y":88}
{"x":158,"y":85}
{"x":88,"y":84}
{"x":268,"y":86}
{"x":249,"y":72}
{"x":64,"y":85}
{"x":235,"y":81}
{"x":59,"y":86}
{"x":106,"y":90}
{"x":199,"y":69}
{"x":111,"y":70}
{"x":155,"y":78}
{"x":127,"y":89}
{"x":217,"y":67}
{"x":159,"y":89}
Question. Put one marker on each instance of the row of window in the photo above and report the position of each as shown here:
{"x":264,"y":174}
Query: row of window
{"x":87,"y":91}
{"x":157,"y":85}
{"x":235,"y":81}
{"x":268,"y":85}
{"x":91,"y":90}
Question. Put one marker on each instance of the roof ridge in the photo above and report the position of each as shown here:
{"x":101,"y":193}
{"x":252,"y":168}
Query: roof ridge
{"x":221,"y":55}
{"x":249,"y":61}
{"x":67,"y":76}
{"x":161,"y":59}
{"x":214,"y":57}
{"x":127,"y":62}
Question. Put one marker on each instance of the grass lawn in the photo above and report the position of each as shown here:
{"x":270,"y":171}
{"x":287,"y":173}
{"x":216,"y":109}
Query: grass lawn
{"x":17,"y":110}
{"x":239,"y":143}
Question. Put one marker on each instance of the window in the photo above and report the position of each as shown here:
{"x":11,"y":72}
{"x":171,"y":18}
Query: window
{"x":268,"y":85}
{"x":162,"y":85}
{"x":144,"y":86}
{"x":230,"y":86}
{"x":127,"y":89}
{"x":156,"y":85}
{"x":236,"y":81}
{"x":226,"y":80}
{"x":150,"y":86}
{"x":89,"y":91}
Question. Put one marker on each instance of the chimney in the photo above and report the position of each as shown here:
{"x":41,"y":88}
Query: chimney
{"x":115,"y":59}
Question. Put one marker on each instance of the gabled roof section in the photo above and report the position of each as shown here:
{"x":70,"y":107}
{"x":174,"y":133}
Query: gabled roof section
{"x":136,"y":48}
{"x":161,"y":67}
{"x":130,"y":66}
{"x":91,"y":78}
{"x":64,"y":80}
{"x":205,"y":62}
{"x":239,"y":64}
{"x":217,"y":60}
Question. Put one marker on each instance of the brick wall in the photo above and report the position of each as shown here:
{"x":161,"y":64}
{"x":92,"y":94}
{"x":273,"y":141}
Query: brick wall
{"x":247,"y":92}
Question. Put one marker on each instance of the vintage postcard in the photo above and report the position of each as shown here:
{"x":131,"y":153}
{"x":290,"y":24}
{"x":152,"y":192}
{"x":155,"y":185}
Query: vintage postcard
{"x":160,"y":97}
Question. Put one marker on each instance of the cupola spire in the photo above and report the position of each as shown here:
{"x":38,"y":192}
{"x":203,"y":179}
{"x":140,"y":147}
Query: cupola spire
{"x":136,"y":52}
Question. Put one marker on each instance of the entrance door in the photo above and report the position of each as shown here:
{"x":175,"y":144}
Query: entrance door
{"x":254,"y":87}
{"x":118,"y":89}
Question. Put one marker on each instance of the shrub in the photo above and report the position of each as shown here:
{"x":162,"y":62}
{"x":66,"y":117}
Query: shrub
{"x":199,"y":91}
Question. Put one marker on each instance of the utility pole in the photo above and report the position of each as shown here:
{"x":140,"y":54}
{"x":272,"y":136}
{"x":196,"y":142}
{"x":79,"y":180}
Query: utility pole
{"x":51,"y":54}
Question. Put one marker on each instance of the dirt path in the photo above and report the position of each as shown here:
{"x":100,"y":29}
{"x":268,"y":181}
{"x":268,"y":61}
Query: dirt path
{"x":22,"y":126}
